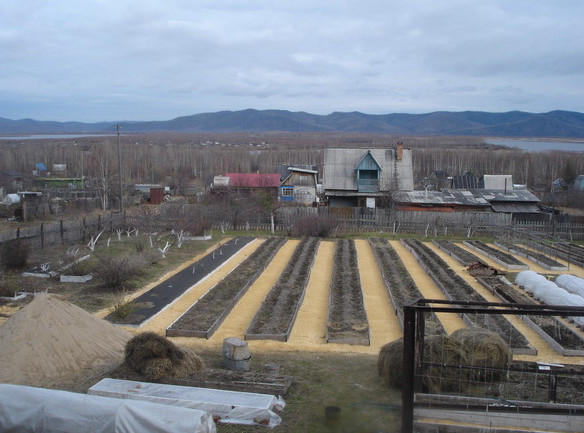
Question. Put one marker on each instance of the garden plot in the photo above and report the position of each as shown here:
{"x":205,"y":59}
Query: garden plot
{"x":161,"y":296}
{"x":539,"y":258}
{"x":399,"y":284}
{"x":347,"y":319}
{"x":463,"y":256}
{"x":207,"y":314}
{"x":455,"y":288}
{"x":504,"y":259}
{"x":276,"y":316}
{"x":559,"y":336}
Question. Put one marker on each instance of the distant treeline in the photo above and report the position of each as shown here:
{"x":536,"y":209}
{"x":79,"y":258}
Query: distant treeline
{"x":180,"y":160}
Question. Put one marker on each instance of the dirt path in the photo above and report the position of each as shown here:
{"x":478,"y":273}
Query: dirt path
{"x":427,"y":287}
{"x":383,"y":323}
{"x":310,"y":325}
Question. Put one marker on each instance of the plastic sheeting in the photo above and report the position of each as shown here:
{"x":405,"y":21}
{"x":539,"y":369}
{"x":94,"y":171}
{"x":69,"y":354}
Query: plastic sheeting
{"x":231,"y":407}
{"x":25,"y":409}
{"x":571,"y":283}
{"x":548,"y":292}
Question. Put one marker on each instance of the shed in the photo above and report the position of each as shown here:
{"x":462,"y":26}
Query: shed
{"x":299,"y":186}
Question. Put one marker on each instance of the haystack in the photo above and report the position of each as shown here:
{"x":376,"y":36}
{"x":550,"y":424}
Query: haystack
{"x":438,"y":349}
{"x":156,"y":357}
{"x":484,"y":349}
{"x":51,"y":341}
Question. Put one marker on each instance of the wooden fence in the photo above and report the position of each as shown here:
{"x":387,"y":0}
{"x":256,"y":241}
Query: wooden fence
{"x":61,"y":232}
{"x":348,"y":221}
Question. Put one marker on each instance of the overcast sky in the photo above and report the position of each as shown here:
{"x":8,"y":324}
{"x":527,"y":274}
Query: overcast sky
{"x":94,"y":60}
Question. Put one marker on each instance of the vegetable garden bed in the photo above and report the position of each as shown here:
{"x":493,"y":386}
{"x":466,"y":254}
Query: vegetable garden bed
{"x":461,"y":255}
{"x":207,"y":314}
{"x":560,"y":337}
{"x":498,"y":256}
{"x":539,"y":258}
{"x":400,"y":286}
{"x":456,"y":289}
{"x":276,"y":316}
{"x":347,"y":320}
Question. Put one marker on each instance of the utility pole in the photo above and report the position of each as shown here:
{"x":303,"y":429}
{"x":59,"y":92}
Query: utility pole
{"x":120,"y":170}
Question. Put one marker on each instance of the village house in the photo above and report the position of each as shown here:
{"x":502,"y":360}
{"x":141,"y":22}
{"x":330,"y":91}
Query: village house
{"x":299,"y":187}
{"x":365,"y":177}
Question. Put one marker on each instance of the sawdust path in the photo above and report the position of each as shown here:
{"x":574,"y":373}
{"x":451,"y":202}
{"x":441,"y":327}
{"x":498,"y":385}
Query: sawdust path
{"x":310,"y":325}
{"x":429,"y":289}
{"x":237,"y":322}
{"x":383,"y":323}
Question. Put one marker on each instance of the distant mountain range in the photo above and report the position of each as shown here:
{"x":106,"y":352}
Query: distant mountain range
{"x":511,"y":124}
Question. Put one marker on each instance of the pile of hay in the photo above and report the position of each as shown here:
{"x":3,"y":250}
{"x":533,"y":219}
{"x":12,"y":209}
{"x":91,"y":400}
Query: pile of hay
{"x":466,"y":347}
{"x":157,"y":357}
{"x":485,"y":349}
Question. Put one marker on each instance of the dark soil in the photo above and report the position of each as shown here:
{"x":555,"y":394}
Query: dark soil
{"x":347,"y":320}
{"x":205,"y":312}
{"x":465,"y":257}
{"x":278,"y":311}
{"x":526,"y":253}
{"x":500,"y":255}
{"x":459,"y":290}
{"x":400,"y":286}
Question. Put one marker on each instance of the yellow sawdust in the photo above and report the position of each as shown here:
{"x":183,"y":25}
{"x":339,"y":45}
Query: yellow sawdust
{"x":311,"y":322}
{"x":383,"y":323}
{"x":427,"y":287}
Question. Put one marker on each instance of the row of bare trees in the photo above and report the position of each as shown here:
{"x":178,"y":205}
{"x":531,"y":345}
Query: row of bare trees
{"x":178,"y":160}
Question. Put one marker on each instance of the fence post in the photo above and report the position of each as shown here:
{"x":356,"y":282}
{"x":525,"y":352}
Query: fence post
{"x":62,"y":232}
{"x":42,"y":236}
{"x":18,"y":233}
{"x":408,"y":369}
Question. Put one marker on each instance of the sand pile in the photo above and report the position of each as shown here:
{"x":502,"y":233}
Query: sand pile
{"x":50,"y":340}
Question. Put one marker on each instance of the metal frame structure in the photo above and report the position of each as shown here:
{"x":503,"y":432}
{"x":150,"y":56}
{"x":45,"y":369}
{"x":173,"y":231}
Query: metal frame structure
{"x":414,"y":336}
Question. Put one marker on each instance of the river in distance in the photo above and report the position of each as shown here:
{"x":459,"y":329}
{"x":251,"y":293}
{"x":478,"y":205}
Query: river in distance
{"x":534,"y":145}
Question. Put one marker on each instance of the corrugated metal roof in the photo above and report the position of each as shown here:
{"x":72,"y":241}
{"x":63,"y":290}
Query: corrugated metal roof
{"x":515,"y":207}
{"x":445,"y":197}
{"x":253,"y":180}
{"x":465,"y":182}
{"x":512,"y":195}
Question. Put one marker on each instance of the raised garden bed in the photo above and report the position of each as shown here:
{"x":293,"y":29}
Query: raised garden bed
{"x":539,"y":258}
{"x":572,"y":253}
{"x":559,"y":336}
{"x":504,"y":259}
{"x":456,"y":289}
{"x":400,"y":286}
{"x":276,"y":316}
{"x":461,"y":255}
{"x":347,"y":320}
{"x":207,"y":314}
